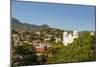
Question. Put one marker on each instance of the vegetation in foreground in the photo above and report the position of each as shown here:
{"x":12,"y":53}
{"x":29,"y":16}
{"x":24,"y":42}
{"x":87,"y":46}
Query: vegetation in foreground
{"x":82,"y":49}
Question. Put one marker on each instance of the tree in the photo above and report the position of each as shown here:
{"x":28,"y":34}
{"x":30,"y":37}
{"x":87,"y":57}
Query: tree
{"x":25,"y":55}
{"x":81,"y":50}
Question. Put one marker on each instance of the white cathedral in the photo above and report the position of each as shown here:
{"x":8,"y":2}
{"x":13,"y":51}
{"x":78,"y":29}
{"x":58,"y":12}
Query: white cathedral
{"x":69,"y":38}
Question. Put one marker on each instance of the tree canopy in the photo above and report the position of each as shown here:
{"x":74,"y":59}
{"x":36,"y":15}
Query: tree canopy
{"x":25,"y":55}
{"x":81,"y":50}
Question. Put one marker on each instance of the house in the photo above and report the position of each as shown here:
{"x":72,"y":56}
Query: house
{"x":41,"y":47}
{"x":92,"y":33}
{"x":57,"y":40}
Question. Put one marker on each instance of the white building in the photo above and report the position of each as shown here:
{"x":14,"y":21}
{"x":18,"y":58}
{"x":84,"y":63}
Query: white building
{"x":57,"y":39}
{"x":92,"y":33}
{"x":69,"y":38}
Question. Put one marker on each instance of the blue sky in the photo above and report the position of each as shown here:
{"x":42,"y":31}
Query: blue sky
{"x":66,"y":17}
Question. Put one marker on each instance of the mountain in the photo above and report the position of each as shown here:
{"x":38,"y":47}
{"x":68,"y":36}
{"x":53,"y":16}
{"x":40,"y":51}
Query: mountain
{"x":17,"y":25}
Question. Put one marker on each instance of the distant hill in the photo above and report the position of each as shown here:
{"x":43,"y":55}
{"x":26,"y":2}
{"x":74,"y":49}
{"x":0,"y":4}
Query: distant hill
{"x":17,"y":25}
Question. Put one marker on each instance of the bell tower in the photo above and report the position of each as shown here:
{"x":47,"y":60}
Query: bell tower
{"x":65,"y":38}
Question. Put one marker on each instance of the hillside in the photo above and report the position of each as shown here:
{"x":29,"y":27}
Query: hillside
{"x":17,"y":25}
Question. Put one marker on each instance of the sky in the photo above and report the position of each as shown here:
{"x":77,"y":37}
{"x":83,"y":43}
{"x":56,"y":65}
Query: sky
{"x":62,"y":16}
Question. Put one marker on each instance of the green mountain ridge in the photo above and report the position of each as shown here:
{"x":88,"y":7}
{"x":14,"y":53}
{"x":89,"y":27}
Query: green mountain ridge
{"x":17,"y":25}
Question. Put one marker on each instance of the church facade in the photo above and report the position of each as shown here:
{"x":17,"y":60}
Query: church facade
{"x":69,"y":38}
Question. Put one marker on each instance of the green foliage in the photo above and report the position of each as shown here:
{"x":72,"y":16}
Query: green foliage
{"x":27,"y":53}
{"x":24,"y":49}
{"x":82,"y":49}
